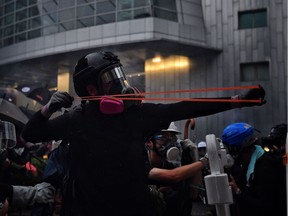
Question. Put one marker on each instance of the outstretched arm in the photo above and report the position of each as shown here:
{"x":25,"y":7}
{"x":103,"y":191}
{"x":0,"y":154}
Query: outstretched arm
{"x":176,"y":175}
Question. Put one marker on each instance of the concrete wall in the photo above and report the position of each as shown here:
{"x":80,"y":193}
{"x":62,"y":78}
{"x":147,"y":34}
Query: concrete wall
{"x":240,"y":46}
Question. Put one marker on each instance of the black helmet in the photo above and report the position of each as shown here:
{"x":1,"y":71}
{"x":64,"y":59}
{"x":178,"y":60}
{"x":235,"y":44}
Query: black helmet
{"x":89,"y":69}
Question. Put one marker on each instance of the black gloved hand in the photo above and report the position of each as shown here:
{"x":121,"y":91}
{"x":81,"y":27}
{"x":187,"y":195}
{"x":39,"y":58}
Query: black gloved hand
{"x":6,"y":191}
{"x":253,"y":94}
{"x":59,"y":100}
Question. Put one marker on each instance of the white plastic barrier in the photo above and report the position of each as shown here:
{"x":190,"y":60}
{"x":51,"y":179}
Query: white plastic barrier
{"x":217,"y":185}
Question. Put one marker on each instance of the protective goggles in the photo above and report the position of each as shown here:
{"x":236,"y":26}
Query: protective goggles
{"x":165,"y":137}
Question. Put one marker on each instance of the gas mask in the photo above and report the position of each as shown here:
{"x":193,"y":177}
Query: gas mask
{"x":168,"y":148}
{"x":114,"y":82}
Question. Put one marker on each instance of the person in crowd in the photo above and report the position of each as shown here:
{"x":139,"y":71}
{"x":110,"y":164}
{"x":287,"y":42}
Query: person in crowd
{"x":55,"y":173}
{"x":256,"y":179}
{"x":173,"y":179}
{"x":275,"y":142}
{"x":14,"y":195}
{"x":107,"y":135}
{"x":202,"y":148}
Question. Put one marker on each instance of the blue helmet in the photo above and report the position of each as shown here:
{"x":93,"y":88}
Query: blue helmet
{"x":235,"y":134}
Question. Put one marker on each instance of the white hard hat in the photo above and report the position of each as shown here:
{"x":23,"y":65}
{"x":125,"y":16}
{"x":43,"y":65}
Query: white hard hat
{"x":202,"y":144}
{"x":172,"y":128}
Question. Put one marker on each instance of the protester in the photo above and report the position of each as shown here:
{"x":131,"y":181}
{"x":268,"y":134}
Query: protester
{"x":257,"y":181}
{"x":106,"y":135}
{"x":172,"y":179}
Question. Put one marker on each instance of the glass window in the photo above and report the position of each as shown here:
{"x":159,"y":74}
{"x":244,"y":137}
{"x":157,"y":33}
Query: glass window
{"x":9,"y":8}
{"x":49,"y":6}
{"x":20,"y":27}
{"x":260,"y":19}
{"x":1,"y":11}
{"x":141,"y":3}
{"x":124,"y":4}
{"x":140,"y":13}
{"x":20,"y":15}
{"x":7,"y":41}
{"x":49,"y":19}
{"x":245,"y":21}
{"x":86,"y":10}
{"x":21,"y":4}
{"x":31,"y":2}
{"x":84,"y":1}
{"x":34,"y":34}
{"x":20,"y":37}
{"x":9,"y":19}
{"x":8,"y":31}
{"x":164,"y":14}
{"x":124,"y":15}
{"x":85,"y":22}
{"x":50,"y":30}
{"x":66,"y":3}
{"x":168,"y":4}
{"x":65,"y":26}
{"x":107,"y":18}
{"x":252,"y":19}
{"x":33,"y":11}
{"x":106,"y":6}
{"x":34,"y":23}
{"x":254,"y":72}
{"x":67,"y":14}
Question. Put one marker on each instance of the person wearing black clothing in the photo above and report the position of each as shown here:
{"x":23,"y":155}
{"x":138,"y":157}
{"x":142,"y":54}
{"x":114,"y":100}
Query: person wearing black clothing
{"x":107,"y":136}
{"x":257,"y":181}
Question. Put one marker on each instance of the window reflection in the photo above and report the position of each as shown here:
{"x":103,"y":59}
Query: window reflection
{"x":108,"y":18}
{"x":20,"y":27}
{"x":107,"y":6}
{"x":20,"y":15}
{"x":85,"y":22}
{"x":86,"y":10}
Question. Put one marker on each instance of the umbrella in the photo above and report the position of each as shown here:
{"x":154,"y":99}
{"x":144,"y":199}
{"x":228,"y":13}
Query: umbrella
{"x":12,"y":113}
{"x":39,"y":94}
{"x":42,"y":95}
{"x":19,"y":99}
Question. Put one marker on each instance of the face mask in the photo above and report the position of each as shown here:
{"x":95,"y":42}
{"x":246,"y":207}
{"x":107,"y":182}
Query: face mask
{"x":173,"y":154}
{"x":169,"y":149}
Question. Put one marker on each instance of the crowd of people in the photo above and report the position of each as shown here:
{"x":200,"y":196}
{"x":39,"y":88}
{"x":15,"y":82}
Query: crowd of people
{"x":121,"y":156}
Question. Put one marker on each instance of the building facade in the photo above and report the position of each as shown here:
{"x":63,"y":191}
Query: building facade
{"x":164,"y":45}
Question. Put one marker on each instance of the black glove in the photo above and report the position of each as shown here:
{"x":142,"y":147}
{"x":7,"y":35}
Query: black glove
{"x":6,"y":191}
{"x":253,"y":94}
{"x":59,"y":100}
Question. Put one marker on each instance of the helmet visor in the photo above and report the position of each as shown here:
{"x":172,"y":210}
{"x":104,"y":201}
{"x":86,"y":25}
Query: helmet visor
{"x":113,"y":74}
{"x":114,"y":81}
